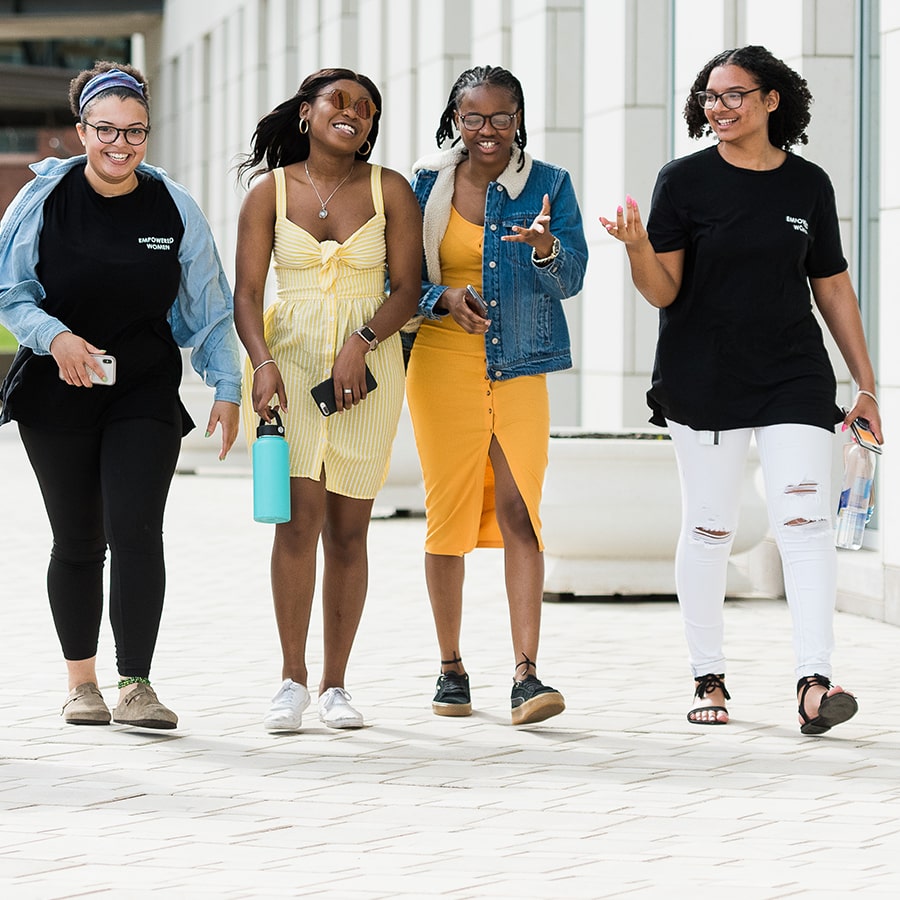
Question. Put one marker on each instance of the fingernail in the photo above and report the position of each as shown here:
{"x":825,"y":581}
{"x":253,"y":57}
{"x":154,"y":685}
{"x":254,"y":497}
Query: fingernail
{"x":206,"y":435}
{"x":844,"y":427}
{"x":628,"y":199}
{"x":619,"y":209}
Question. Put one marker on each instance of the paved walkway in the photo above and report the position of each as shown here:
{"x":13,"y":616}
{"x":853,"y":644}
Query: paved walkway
{"x":618,"y":797}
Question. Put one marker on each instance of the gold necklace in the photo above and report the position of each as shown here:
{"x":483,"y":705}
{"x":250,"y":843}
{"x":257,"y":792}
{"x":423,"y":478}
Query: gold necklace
{"x":323,"y":213}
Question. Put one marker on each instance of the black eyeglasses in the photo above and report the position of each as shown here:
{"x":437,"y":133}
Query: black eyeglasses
{"x":341,"y":99}
{"x":730,"y":99}
{"x":109,"y":134}
{"x":500,"y":121}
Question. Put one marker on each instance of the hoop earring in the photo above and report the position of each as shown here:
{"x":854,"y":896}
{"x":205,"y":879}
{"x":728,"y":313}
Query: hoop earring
{"x":365,"y":152}
{"x":302,"y":123}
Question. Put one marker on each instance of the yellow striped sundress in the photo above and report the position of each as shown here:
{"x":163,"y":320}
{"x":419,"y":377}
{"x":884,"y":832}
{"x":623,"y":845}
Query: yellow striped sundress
{"x":325,"y":291}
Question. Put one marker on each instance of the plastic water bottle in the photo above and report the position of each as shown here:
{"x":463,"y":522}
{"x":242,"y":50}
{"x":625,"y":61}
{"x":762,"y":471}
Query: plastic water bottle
{"x":271,"y":473}
{"x":857,"y":502}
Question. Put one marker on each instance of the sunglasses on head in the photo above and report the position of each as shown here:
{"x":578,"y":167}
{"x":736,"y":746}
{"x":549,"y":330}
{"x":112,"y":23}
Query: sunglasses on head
{"x":341,"y":99}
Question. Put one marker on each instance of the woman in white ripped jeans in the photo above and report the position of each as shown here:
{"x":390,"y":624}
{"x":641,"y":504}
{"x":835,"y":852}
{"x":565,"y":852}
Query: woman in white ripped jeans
{"x":796,"y":467}
{"x":739,"y":235}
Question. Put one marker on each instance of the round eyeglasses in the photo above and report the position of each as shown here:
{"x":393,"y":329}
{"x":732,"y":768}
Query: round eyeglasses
{"x":474,"y":121}
{"x":109,"y":134}
{"x":341,"y":99}
{"x":730,"y":99}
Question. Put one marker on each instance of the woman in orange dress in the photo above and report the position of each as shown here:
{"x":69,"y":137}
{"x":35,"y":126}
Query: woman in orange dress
{"x":508,"y":226}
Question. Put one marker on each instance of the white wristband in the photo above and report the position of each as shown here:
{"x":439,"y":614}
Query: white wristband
{"x":265,"y":362}
{"x":868,"y":394}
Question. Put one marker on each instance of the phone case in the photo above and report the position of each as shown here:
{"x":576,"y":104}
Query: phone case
{"x":108,"y":364}
{"x":323,"y":393}
{"x":477,"y":298}
{"x":863,"y":435}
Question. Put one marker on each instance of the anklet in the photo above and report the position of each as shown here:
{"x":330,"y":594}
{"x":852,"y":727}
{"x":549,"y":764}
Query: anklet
{"x":134,"y":679}
{"x":528,"y":663}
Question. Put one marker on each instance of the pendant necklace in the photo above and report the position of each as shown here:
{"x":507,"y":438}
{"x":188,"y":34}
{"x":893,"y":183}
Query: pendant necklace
{"x":323,"y":213}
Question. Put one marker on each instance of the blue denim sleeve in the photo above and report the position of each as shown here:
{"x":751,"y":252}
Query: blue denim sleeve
{"x":21,"y":294}
{"x":566,"y":272}
{"x":202,"y":316}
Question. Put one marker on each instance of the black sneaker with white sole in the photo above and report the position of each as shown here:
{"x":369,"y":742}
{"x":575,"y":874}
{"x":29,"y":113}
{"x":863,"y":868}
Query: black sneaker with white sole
{"x":533,"y":701}
{"x":452,"y":697}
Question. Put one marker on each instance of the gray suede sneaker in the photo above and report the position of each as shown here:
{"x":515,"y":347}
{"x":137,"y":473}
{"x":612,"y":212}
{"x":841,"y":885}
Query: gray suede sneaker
{"x":141,"y":707}
{"x":85,"y":706}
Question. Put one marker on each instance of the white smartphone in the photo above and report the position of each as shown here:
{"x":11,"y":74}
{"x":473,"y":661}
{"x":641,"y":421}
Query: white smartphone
{"x":108,"y":364}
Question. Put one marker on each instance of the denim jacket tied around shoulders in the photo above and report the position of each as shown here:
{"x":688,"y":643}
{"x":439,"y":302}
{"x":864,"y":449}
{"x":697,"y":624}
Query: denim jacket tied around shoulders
{"x":528,"y":333}
{"x":202,"y":316}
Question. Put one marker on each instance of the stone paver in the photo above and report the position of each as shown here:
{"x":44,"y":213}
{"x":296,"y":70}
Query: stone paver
{"x":618,"y":797}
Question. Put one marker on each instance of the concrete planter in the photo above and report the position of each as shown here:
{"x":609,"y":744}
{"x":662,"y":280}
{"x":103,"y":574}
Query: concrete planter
{"x":611,"y":515}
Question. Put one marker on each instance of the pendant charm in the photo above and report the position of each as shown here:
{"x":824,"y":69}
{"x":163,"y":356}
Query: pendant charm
{"x":323,"y":213}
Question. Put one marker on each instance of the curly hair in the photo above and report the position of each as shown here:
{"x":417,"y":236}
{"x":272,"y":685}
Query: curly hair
{"x":787,"y":124}
{"x":77,"y":84}
{"x":277,"y":140}
{"x":493,"y":76}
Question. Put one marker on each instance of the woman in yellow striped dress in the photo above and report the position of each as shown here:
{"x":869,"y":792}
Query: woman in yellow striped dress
{"x":333,"y":223}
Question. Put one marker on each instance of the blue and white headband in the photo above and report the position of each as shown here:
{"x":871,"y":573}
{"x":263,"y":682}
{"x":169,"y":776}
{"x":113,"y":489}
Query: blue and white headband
{"x":106,"y":80}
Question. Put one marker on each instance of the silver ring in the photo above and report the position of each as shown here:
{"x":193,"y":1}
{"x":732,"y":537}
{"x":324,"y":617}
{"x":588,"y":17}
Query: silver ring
{"x":348,"y":390}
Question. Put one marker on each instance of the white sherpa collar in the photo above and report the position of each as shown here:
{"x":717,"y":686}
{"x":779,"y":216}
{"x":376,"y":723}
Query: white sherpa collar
{"x":437,"y":208}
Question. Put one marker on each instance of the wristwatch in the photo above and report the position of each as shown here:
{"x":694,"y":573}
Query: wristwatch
{"x":368,"y":336}
{"x":554,"y":252}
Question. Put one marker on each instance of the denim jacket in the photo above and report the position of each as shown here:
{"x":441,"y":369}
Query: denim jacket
{"x":528,"y":333}
{"x":201,"y":316}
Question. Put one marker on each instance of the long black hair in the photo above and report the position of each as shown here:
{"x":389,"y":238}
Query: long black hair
{"x":278,"y":141}
{"x":787,"y":124}
{"x":493,"y":76}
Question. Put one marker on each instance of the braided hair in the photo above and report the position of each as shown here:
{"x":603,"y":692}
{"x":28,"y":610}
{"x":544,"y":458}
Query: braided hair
{"x":278,"y":141}
{"x":787,"y":124}
{"x":492,"y":76}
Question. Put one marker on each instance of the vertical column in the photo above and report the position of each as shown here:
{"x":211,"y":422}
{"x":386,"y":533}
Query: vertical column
{"x":626,"y":129}
{"x":547,"y":56}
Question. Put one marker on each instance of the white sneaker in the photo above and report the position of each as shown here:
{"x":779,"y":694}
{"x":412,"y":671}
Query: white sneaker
{"x":286,"y":710}
{"x":336,"y":712}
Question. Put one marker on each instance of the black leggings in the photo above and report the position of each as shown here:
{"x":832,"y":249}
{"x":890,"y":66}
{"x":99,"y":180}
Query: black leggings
{"x":106,"y":487}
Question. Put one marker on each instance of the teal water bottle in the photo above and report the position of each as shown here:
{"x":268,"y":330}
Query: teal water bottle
{"x":271,"y":473}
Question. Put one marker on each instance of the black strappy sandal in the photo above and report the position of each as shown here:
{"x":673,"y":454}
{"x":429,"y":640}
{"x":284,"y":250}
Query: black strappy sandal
{"x":705,"y":685}
{"x":832,"y":710}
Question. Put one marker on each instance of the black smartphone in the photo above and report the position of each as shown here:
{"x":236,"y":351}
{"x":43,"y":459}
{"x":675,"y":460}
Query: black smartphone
{"x":479,"y":300}
{"x":862,"y":434}
{"x":323,"y":393}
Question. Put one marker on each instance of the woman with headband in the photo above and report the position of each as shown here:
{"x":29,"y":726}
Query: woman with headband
{"x":104,"y":259}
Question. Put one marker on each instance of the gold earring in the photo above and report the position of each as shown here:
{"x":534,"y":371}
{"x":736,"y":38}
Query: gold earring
{"x":302,"y":123}
{"x":365,"y":152}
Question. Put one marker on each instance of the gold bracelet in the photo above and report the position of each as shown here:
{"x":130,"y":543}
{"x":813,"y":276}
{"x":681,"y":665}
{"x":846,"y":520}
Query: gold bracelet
{"x":265,"y":362}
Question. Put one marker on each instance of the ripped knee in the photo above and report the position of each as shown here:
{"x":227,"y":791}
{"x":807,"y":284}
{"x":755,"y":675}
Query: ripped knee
{"x":711,"y":536}
{"x":800,"y":490}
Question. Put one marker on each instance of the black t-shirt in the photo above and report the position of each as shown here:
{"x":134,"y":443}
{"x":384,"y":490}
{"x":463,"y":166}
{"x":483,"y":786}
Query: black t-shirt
{"x":740,"y":346}
{"x":110,"y":269}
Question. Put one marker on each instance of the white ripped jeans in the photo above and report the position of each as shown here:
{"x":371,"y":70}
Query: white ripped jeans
{"x":796,"y":466}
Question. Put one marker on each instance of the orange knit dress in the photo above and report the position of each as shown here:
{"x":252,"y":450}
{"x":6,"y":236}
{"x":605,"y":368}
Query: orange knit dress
{"x":456,"y":410}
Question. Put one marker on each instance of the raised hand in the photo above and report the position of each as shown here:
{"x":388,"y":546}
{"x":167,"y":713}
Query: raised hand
{"x":627,"y":227}
{"x":537,"y":235}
